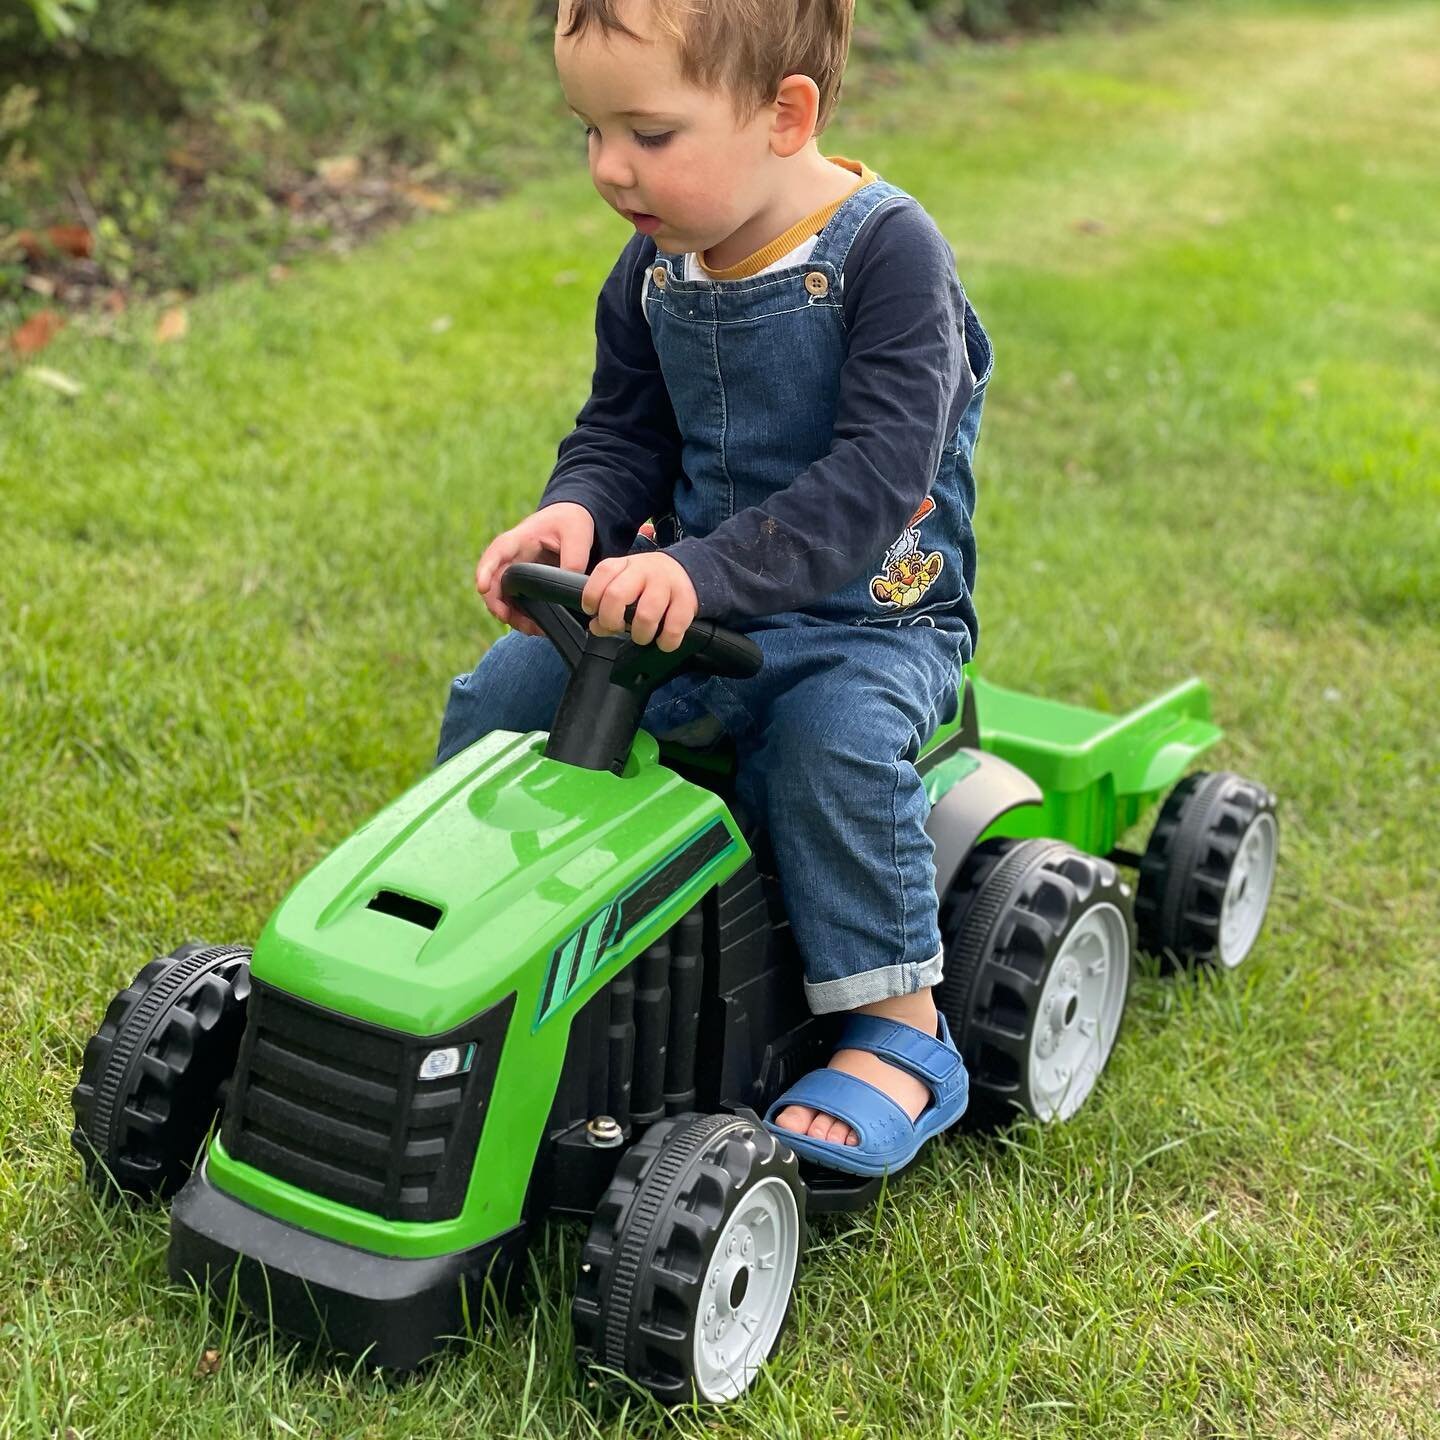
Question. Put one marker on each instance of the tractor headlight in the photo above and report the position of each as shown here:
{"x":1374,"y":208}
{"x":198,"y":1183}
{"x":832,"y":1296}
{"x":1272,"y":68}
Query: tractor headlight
{"x":452,"y":1060}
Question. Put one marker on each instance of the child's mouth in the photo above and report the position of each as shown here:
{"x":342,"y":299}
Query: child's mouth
{"x":646,"y":224}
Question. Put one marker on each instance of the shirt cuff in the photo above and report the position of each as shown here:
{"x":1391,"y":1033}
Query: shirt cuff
{"x":712,"y":592}
{"x":609,"y":527}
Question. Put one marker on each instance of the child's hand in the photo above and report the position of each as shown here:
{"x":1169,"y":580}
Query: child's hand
{"x":660,"y":590}
{"x":561,"y":534}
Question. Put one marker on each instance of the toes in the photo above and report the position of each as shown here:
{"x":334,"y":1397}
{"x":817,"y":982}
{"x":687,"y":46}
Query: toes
{"x":826,"y":1127}
{"x":798,"y":1118}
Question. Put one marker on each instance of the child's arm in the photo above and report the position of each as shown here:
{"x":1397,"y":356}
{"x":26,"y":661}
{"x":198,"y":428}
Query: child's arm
{"x":621,"y":459}
{"x":904,"y":386}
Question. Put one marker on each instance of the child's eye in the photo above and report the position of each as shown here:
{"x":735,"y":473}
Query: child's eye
{"x":644,"y":141}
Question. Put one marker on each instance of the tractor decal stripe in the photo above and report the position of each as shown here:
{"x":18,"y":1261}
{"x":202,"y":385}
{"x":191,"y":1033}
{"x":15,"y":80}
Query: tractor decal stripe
{"x":597,"y":936}
{"x":562,"y":959}
{"x":582,"y":953}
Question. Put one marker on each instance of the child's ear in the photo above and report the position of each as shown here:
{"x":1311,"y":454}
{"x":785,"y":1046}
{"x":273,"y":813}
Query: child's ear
{"x":797,"y":108}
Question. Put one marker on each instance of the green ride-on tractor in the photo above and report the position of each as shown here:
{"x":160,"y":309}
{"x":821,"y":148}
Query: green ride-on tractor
{"x":555,"y":978}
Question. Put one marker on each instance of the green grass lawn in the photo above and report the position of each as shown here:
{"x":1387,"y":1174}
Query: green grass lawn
{"x":236,"y":583}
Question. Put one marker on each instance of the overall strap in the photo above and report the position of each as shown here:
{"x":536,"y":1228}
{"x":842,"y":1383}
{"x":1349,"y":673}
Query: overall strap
{"x":833,"y":246}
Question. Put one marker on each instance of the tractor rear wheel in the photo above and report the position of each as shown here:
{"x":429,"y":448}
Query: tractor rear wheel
{"x":151,"y":1079}
{"x":1038,"y":938}
{"x":1208,"y":871}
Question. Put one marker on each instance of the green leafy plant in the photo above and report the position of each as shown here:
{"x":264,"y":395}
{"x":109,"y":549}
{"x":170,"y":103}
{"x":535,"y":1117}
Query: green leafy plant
{"x":61,"y":19}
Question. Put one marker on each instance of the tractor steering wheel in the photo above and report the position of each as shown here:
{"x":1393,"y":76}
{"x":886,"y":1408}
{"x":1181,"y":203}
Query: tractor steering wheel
{"x":550,"y":596}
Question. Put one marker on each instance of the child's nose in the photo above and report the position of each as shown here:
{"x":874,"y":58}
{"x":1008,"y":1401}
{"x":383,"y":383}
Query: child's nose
{"x":610,"y":167}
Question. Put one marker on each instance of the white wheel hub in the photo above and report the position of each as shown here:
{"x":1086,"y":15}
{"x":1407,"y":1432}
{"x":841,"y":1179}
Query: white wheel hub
{"x":1247,"y":892}
{"x":1079,"y":1012}
{"x":748,"y":1279}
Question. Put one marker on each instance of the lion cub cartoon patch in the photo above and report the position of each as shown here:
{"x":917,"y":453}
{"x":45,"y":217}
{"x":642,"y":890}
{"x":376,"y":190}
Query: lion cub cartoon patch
{"x":907,"y":573}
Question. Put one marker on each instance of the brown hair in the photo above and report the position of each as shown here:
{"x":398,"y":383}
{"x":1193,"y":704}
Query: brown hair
{"x":744,"y":46}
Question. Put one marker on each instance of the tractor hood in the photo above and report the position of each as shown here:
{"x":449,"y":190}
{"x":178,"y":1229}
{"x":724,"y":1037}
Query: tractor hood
{"x":500,"y":871}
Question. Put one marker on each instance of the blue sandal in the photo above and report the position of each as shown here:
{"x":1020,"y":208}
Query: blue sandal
{"x":889,"y":1139}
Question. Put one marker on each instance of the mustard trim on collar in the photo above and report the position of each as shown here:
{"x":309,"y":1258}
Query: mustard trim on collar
{"x":798,"y":233}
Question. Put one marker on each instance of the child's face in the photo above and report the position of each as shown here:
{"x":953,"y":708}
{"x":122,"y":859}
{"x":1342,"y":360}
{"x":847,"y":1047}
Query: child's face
{"x":671,"y":158}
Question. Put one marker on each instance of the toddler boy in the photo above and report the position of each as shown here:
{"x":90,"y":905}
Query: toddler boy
{"x":789,"y":380}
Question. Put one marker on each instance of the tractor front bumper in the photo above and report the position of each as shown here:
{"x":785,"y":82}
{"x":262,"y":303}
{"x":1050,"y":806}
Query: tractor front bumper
{"x":392,"y":1311}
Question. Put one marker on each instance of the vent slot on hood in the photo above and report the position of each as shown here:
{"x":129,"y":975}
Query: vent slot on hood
{"x":406,"y":907}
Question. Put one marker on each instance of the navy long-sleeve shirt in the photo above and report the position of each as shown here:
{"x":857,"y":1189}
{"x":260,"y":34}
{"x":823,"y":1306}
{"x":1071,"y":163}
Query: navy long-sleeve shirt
{"x":904,"y":386}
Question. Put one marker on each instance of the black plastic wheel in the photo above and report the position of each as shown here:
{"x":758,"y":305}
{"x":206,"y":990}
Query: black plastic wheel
{"x":150,"y":1083}
{"x":1207,"y":872}
{"x":687,"y":1273}
{"x":1038,"y":938}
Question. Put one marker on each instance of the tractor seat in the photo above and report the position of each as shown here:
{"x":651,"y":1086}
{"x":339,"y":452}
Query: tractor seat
{"x":713,"y":767}
{"x":701,"y":746}
{"x":717,"y":760}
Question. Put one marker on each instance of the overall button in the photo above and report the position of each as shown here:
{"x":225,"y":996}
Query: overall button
{"x":816,"y":283}
{"x":659,"y":275}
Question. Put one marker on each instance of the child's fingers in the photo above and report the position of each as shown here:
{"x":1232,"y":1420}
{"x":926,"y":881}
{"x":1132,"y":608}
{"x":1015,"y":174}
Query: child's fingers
{"x":514,"y":617}
{"x":496,"y":606}
{"x":574,"y":552}
{"x":619,"y":588}
{"x":600,"y":580}
{"x":649,"y":612}
{"x":679,"y":616}
{"x":500,"y":552}
{"x":486,"y":565}
{"x":610,"y":618}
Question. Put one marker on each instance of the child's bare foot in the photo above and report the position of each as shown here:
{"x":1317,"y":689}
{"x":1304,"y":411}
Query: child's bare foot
{"x":910,"y":1093}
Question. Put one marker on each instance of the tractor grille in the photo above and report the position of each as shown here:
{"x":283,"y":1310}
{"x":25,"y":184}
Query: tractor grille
{"x":336,"y":1106}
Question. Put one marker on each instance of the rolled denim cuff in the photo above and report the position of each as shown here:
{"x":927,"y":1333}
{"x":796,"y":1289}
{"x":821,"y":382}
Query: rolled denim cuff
{"x":865,"y":988}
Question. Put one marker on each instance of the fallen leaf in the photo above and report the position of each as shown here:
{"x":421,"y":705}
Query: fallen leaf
{"x":209,"y":1363}
{"x":278,"y":273}
{"x":186,"y":161}
{"x":1089,"y":226}
{"x":40,"y":284}
{"x":339,"y":171}
{"x":427,"y":199}
{"x":76,"y":241}
{"x":115,"y":302}
{"x":37,"y":332}
{"x":172,"y":326}
{"x":54,"y":380}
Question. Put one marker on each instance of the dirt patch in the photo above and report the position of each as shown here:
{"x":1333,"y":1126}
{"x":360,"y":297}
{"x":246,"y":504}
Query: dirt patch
{"x":343,"y":204}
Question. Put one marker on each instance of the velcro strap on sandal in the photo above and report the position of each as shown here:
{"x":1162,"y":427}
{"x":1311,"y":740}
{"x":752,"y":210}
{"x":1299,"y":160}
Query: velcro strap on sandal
{"x":936,"y":1062}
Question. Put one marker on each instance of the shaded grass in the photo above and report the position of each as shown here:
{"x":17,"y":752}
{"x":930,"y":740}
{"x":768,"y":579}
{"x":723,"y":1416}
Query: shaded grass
{"x":238,"y":585}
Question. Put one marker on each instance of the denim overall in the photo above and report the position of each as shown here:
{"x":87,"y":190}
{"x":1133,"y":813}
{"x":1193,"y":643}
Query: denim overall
{"x":852,"y":687}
